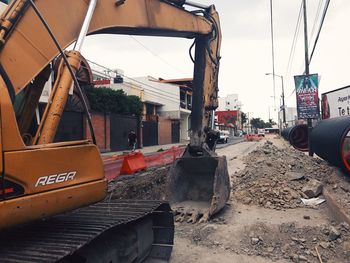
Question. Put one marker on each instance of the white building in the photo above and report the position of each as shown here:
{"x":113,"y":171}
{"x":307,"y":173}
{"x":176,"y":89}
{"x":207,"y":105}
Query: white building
{"x":291,"y":116}
{"x":230,"y":102}
{"x":169,"y":100}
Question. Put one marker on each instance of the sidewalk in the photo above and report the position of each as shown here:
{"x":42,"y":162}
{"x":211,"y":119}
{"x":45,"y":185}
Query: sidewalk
{"x":147,"y":150}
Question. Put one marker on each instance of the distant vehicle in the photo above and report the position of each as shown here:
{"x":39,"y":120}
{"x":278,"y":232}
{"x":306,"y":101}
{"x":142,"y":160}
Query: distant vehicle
{"x":224,"y":135}
{"x":239,"y":133}
{"x":261,"y":132}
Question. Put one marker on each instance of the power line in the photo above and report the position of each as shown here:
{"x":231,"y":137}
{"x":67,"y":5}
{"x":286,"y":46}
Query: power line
{"x":156,"y":91}
{"x":316,"y":19}
{"x":318,"y":35}
{"x":320,"y":28}
{"x":295,"y":40}
{"x":156,"y":55}
{"x":137,"y":81}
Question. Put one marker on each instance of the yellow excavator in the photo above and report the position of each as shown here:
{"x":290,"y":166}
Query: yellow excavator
{"x":42,"y":181}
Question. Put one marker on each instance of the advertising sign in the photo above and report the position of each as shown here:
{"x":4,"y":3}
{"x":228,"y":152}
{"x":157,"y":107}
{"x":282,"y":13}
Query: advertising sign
{"x":227,"y":118}
{"x":336,"y":103}
{"x":306,"y":87}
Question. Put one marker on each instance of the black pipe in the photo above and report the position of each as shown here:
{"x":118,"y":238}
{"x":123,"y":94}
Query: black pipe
{"x":297,"y":136}
{"x":330,"y":140}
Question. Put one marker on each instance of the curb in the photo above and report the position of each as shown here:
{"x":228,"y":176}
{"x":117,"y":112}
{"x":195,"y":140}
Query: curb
{"x":338,"y":212}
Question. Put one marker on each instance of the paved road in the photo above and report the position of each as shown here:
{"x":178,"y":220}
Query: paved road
{"x":231,"y":141}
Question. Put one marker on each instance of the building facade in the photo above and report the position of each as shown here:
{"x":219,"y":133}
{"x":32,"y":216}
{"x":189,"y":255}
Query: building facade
{"x":166,"y":103}
{"x":229,"y":103}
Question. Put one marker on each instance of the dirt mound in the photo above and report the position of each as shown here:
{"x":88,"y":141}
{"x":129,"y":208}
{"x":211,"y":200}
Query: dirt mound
{"x":149,"y":185}
{"x":298,"y":244}
{"x":274,"y":178}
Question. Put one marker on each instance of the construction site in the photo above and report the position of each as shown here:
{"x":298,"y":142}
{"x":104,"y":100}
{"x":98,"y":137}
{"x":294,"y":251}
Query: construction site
{"x":100,"y":167}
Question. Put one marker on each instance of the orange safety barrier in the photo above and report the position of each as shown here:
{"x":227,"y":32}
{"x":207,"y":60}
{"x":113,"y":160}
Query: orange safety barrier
{"x":113,"y":166}
{"x":133,"y":162}
{"x":253,"y":137}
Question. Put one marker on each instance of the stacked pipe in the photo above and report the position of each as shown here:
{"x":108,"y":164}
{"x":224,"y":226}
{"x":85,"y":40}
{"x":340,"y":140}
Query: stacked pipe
{"x":297,"y":136}
{"x":330,"y":140}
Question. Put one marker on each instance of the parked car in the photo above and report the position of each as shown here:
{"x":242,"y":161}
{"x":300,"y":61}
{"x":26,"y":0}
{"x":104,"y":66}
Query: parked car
{"x":261,"y":132}
{"x":224,"y":135}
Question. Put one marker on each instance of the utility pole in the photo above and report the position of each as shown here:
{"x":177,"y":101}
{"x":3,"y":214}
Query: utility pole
{"x":307,"y":71}
{"x":273,"y":55}
{"x":283,"y":103}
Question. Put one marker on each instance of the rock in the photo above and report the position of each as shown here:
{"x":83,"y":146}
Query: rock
{"x":313,"y":188}
{"x":270,"y":249}
{"x":295,"y":258}
{"x":302,"y":258}
{"x":255,"y":240}
{"x":306,"y":217}
{"x":346,"y":246}
{"x":324,"y":245}
{"x":247,"y":200}
{"x":266,"y":151}
{"x":344,"y":226}
{"x":333,"y":233}
{"x":345,"y":187}
{"x":293,"y":176}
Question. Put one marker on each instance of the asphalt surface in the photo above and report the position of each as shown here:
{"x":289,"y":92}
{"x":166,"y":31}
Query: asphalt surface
{"x":231,"y":141}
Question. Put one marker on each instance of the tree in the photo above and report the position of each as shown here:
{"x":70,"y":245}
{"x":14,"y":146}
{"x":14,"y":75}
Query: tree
{"x":107,"y":100}
{"x":243,"y":117}
{"x":272,"y":122}
{"x":258,"y":123}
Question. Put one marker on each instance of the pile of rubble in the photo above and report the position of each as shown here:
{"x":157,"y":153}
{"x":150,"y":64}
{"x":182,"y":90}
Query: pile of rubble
{"x":306,"y":244}
{"x":278,"y":178}
{"x":149,"y":185}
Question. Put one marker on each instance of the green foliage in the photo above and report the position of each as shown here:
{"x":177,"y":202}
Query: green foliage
{"x":106,"y":100}
{"x":258,"y":123}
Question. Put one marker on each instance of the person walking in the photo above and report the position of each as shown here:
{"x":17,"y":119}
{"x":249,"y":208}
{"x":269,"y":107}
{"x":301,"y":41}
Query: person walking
{"x":132,"y":139}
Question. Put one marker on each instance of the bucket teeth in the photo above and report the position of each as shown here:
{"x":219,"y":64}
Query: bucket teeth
{"x":204,"y":218}
{"x":194,"y":218}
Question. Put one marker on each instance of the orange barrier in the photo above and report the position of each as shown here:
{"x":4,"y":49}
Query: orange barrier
{"x":132,"y":163}
{"x":117,"y":165}
{"x":253,"y":137}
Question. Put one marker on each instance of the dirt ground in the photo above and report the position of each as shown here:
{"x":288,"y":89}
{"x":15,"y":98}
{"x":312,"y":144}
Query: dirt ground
{"x":265,"y":219}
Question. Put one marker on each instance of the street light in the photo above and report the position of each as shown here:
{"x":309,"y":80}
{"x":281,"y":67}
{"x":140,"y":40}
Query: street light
{"x":283,"y":104}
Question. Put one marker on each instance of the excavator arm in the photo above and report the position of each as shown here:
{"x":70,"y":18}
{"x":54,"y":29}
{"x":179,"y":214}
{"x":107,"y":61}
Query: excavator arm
{"x":26,"y":46}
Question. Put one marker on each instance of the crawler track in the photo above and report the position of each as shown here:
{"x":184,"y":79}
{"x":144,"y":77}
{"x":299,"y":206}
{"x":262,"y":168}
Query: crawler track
{"x":143,"y":230}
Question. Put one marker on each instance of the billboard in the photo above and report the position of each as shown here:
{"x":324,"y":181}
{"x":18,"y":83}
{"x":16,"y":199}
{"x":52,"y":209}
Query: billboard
{"x":336,"y":103}
{"x":306,"y":87}
{"x":227,"y":118}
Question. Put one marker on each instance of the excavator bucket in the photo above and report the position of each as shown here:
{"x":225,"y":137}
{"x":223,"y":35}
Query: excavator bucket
{"x":198,"y":187}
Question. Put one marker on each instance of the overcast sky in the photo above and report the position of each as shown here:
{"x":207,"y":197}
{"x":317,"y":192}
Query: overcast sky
{"x":246,"y":51}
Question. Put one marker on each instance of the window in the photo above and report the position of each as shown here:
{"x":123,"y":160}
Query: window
{"x":149,"y":109}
